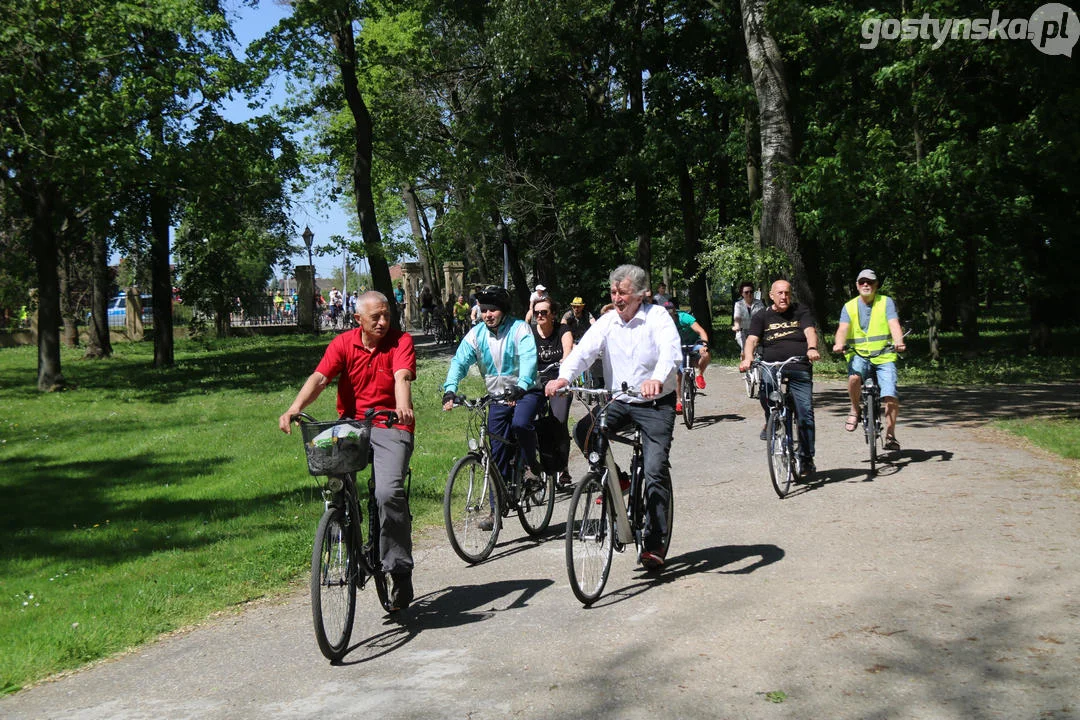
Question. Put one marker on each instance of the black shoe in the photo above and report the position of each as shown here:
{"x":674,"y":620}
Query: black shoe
{"x":402,"y":593}
{"x":486,"y":523}
{"x":764,"y":434}
{"x":565,"y":481}
{"x":807,"y":471}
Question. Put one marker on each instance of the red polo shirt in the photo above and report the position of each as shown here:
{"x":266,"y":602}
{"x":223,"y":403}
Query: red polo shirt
{"x":367,"y":376}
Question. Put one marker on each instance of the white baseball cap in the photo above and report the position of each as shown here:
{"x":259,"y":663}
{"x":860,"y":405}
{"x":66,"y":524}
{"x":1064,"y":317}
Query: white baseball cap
{"x":540,"y":288}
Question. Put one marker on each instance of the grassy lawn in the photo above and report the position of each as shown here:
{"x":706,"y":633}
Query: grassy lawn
{"x":141,"y":500}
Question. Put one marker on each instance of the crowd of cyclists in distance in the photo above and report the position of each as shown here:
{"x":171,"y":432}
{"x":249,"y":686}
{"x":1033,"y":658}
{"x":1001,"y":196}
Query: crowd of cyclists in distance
{"x":632,"y":348}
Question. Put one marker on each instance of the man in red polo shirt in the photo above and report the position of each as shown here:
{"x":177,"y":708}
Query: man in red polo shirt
{"x":376,"y":365}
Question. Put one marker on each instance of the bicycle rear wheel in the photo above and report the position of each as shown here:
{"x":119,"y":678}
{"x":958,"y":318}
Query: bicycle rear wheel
{"x":688,"y":391}
{"x":590,"y":532}
{"x":870,"y":424}
{"x":778,"y":447}
{"x":469,"y":498}
{"x":536,"y":503}
{"x":333,"y":585}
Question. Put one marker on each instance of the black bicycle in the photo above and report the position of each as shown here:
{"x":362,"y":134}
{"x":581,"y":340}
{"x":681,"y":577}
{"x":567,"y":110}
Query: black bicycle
{"x":599,"y":521}
{"x":688,"y":371}
{"x":782,"y":435}
{"x":477,"y":496}
{"x":343,"y":559}
{"x":870,"y":405}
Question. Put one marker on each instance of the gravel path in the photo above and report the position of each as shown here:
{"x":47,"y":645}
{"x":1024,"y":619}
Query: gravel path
{"x":946,"y":587}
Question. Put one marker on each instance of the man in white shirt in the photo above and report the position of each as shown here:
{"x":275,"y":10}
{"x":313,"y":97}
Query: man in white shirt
{"x":640,"y":346}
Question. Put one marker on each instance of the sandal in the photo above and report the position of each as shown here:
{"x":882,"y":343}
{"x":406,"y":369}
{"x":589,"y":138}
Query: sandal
{"x":852,"y":422}
{"x":891,"y":444}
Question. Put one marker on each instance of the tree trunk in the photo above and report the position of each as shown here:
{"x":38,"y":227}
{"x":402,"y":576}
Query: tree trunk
{"x":517,"y":275}
{"x":43,"y":235}
{"x":635,"y":88}
{"x":363,"y":132}
{"x":99,"y":343}
{"x":777,"y":145}
{"x":423,"y":250}
{"x":968,"y":302}
{"x":699,"y":297}
{"x":932,"y":287}
{"x":70,"y":333}
{"x":161,"y":278}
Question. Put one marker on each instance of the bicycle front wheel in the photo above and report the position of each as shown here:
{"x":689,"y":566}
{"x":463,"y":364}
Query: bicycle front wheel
{"x":590,"y":534}
{"x":688,"y":389}
{"x":333,"y":585}
{"x":469,"y":501}
{"x":870,"y":424}
{"x":778,"y":448}
{"x":536,"y":503}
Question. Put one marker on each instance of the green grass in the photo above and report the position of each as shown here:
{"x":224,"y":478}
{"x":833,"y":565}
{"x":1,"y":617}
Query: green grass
{"x":1058,"y":435}
{"x":140,"y":501}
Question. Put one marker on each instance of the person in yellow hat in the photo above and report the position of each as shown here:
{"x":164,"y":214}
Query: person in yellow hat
{"x":577,"y":318}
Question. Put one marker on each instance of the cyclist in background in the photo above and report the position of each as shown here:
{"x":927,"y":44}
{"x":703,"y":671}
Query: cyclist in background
{"x":746,"y":307}
{"x":461,"y":316}
{"x":641,"y":348}
{"x":376,"y":364}
{"x":785,"y":330}
{"x":867,"y":322}
{"x":553,"y":344}
{"x":690,"y":333}
{"x":504,"y":352}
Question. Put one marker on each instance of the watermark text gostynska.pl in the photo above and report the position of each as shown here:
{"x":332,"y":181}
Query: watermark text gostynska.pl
{"x":1053,"y":28}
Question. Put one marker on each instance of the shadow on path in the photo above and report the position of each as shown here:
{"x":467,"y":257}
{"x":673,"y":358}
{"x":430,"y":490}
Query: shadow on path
{"x":455,"y":606}
{"x":926,"y":406}
{"x":725,"y":559}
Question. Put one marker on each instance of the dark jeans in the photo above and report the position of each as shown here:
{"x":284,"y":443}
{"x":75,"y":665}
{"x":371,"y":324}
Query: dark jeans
{"x":657,"y":422}
{"x":801,"y":387}
{"x":504,"y":420}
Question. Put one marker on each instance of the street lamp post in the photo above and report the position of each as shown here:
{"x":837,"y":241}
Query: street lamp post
{"x":308,"y":237}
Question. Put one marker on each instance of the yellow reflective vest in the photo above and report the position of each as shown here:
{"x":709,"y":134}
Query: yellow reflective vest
{"x":872,"y":338}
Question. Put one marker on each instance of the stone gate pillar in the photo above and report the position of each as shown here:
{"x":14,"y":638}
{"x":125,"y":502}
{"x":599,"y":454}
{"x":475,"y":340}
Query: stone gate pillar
{"x":453,"y":280}
{"x":305,"y":297}
{"x":412,"y":276}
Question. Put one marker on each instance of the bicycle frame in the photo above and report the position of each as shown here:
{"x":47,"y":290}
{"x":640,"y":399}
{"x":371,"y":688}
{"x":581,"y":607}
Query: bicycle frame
{"x":623,"y":531}
{"x":480,"y":446}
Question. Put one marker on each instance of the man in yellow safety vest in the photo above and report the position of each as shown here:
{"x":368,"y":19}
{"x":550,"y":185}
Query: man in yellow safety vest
{"x":869,"y":321}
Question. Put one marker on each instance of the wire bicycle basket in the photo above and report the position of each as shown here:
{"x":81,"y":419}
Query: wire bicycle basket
{"x":336,"y":447}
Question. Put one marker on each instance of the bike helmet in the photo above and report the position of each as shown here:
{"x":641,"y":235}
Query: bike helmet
{"x":494,"y":295}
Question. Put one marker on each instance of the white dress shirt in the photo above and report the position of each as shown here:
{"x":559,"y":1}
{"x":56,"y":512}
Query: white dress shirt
{"x":646,"y":348}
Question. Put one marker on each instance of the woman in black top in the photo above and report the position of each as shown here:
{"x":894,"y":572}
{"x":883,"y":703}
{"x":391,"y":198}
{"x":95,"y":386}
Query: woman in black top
{"x":553,"y":343}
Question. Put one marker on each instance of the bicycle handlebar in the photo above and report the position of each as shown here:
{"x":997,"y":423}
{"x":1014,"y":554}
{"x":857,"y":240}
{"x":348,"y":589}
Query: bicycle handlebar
{"x":370,"y":416}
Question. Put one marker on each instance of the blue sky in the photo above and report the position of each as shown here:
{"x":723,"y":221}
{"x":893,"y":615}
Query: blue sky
{"x":248,"y":25}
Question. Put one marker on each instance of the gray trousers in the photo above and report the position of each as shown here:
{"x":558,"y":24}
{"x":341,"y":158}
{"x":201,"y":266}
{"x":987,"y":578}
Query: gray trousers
{"x":393,"y":449}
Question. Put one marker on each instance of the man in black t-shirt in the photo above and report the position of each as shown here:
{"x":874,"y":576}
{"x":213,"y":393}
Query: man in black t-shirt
{"x":784,"y":330}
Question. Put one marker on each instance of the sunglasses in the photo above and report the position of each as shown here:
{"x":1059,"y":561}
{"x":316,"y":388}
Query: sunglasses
{"x":864,"y":281}
{"x":542,"y":313}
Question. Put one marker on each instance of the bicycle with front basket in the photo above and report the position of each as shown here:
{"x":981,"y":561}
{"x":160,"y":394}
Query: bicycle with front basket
{"x":343,"y":559}
{"x":599,"y":522}
{"x":475,"y":489}
{"x":781,"y":433}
